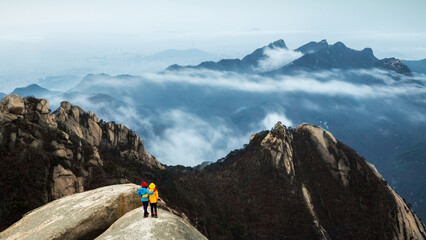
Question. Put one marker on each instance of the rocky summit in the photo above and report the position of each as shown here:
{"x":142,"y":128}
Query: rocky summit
{"x":168,"y":225}
{"x":321,"y":56}
{"x":87,"y":215}
{"x":286,"y":183}
{"x":293,"y":184}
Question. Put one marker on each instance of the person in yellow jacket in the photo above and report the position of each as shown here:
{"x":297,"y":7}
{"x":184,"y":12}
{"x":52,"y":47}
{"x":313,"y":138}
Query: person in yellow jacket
{"x":153,"y":198}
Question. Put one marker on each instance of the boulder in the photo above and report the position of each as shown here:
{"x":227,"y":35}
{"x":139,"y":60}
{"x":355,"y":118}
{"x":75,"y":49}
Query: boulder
{"x":14,"y":104}
{"x":64,"y":182}
{"x":43,"y":106}
{"x":277,"y":143}
{"x":133,"y":226}
{"x":95,"y":132}
{"x":79,"y":216}
{"x":75,"y":112}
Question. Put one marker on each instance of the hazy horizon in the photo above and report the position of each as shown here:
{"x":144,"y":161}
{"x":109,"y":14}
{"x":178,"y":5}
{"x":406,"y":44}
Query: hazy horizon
{"x":48,"y":38}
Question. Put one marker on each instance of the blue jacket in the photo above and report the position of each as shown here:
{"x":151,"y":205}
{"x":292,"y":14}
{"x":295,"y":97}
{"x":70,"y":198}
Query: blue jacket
{"x":143,"y":193}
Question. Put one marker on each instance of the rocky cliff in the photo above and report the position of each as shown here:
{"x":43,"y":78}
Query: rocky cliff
{"x":292,"y":184}
{"x":45,"y":156}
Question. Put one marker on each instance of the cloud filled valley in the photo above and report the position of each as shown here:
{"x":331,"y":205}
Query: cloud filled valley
{"x":216,"y":112}
{"x":197,"y":114}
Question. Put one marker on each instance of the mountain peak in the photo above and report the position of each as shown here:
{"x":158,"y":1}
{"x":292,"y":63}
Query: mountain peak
{"x":339,"y":45}
{"x":312,"y":47}
{"x":278,"y":44}
{"x":253,"y":58}
{"x":248,"y":63}
{"x":32,"y":86}
{"x":321,"y":56}
{"x":32,"y":90}
{"x":368,"y":50}
{"x":394,"y":64}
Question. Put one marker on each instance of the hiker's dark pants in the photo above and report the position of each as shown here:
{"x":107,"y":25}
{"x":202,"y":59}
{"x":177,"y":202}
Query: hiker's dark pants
{"x":145,"y":208}
{"x":153,"y":206}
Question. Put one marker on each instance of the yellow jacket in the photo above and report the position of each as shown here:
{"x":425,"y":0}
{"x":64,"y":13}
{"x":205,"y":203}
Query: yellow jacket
{"x":153,"y":197}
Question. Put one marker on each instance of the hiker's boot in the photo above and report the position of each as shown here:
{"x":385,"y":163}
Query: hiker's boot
{"x":156,"y":215}
{"x":152,"y":214}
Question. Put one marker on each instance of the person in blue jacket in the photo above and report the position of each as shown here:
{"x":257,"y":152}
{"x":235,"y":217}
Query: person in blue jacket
{"x":143,"y":192}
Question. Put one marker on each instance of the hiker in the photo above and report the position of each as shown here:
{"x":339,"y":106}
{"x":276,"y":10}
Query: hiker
{"x":153,"y":200}
{"x":143,"y":192}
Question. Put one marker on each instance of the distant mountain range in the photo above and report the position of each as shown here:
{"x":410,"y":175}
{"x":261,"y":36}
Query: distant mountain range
{"x":59,"y":82}
{"x":416,"y":66}
{"x":246,"y":64}
{"x":317,"y":56}
{"x":321,"y":56}
{"x":34,"y":90}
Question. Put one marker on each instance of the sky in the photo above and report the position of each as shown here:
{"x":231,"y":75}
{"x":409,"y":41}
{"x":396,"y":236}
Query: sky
{"x":55,"y":37}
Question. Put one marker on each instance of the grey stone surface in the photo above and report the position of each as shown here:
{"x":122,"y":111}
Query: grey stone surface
{"x":82,"y":215}
{"x":133,"y":226}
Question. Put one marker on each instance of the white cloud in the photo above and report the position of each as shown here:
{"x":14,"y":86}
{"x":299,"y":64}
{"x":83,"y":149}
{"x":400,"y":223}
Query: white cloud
{"x":276,"y":58}
{"x":188,"y":139}
{"x":334,"y":86}
{"x":177,"y":136}
{"x":272,"y":118}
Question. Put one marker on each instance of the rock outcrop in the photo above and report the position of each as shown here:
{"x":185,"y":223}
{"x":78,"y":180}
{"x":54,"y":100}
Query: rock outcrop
{"x":45,"y":156}
{"x":278,"y":143}
{"x":292,"y":184}
{"x":78,"y":216}
{"x":133,"y":226}
{"x":394,"y":65}
{"x":87,"y":215}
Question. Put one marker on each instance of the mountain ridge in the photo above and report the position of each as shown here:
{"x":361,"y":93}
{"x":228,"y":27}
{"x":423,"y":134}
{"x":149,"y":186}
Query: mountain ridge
{"x":48,"y":154}
{"x":250,"y":175}
{"x":33,"y":90}
{"x":247,"y":63}
{"x":317,"y":56}
{"x":418,"y":66}
{"x":312,"y":46}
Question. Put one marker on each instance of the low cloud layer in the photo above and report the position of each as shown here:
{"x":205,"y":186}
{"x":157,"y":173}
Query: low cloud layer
{"x":372,"y":83}
{"x":193,"y":116}
{"x":335,"y":85}
{"x":276,"y":58}
{"x":272,"y":118}
{"x":188,"y":139}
